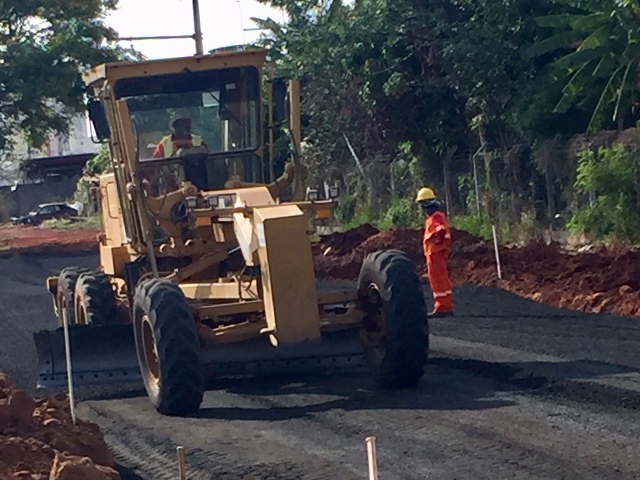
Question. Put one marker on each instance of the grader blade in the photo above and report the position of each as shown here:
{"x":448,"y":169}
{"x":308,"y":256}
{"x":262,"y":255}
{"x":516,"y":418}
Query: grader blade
{"x":100,"y":354}
{"x":258,"y":358}
{"x":103,"y":355}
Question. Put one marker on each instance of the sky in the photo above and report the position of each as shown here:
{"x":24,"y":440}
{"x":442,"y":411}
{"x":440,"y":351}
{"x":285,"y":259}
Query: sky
{"x":223,"y":23}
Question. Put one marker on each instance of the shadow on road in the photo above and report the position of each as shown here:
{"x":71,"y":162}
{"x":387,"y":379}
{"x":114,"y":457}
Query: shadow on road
{"x":297,"y":396}
{"x":528,"y":375}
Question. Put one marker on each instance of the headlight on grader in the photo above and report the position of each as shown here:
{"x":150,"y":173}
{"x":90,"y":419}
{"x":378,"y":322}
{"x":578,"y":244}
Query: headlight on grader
{"x":226,"y":201}
{"x":213,"y":201}
{"x":192,"y":202}
{"x":312,"y":195}
{"x":334,"y":192}
{"x":220,"y":201}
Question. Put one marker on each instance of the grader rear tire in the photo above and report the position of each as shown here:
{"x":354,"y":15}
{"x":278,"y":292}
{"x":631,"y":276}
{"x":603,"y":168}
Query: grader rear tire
{"x":95,"y":300}
{"x":168,"y":348}
{"x":65,"y":293}
{"x":395,"y":329}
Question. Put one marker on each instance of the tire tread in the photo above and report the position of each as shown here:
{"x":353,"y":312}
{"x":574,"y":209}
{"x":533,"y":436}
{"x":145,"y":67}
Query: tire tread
{"x":182,"y":377}
{"x":407,"y":339}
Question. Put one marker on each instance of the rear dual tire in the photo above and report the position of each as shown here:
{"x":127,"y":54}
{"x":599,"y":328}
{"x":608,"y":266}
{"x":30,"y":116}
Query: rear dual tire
{"x":95,"y":300}
{"x":65,"y":293}
{"x":86,"y":297}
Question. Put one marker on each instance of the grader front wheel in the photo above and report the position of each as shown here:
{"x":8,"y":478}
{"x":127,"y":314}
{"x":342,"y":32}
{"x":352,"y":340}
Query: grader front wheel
{"x":395,"y":329}
{"x":168,"y":347}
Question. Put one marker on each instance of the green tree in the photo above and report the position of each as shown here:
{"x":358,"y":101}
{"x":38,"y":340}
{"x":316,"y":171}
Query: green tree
{"x":45,"y":45}
{"x":373,"y":81}
{"x":608,"y":178}
{"x":408,"y":82}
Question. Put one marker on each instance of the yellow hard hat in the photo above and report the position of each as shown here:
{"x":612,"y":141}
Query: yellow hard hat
{"x":425,"y":194}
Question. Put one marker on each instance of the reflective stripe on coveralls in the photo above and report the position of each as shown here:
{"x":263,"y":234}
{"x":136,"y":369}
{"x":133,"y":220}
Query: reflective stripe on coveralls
{"x":167,"y":144}
{"x":437,"y":247}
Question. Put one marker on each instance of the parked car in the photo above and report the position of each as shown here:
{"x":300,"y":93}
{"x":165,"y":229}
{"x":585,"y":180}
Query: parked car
{"x":45,"y":211}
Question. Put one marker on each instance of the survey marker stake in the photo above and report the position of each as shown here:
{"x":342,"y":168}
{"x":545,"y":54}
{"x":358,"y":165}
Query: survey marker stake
{"x":495,"y":246}
{"x":373,"y":459}
{"x":182,"y":465}
{"x":67,"y":352}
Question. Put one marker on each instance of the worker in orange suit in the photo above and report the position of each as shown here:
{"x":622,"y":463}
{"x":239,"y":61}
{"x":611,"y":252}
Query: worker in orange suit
{"x":436,"y":245}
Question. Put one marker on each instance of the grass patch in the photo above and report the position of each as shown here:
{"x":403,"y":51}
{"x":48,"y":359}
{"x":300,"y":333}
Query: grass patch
{"x":81,"y":223}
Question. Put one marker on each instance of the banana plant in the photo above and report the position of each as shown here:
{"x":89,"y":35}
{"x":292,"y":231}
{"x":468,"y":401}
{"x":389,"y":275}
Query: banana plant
{"x":603,"y":39}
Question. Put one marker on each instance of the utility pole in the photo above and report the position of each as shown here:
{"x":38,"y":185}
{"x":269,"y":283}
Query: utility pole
{"x":197,"y":28}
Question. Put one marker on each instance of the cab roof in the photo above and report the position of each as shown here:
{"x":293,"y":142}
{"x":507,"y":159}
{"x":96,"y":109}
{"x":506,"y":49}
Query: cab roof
{"x":114,"y":71}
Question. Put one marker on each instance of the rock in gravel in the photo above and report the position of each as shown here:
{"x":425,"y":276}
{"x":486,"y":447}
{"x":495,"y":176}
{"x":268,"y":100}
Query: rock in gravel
{"x":38,"y":440}
{"x":22,"y":407}
{"x":19,"y":456}
{"x":67,"y":467}
{"x":5,"y":383}
{"x":5,"y":415}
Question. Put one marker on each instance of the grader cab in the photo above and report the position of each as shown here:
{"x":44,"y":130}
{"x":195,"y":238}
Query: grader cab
{"x":206,"y":267}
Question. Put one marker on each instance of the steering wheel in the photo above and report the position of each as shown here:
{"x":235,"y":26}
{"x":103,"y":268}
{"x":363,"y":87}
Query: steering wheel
{"x":191,"y":151}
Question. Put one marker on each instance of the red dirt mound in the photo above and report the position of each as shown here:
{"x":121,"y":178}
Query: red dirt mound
{"x":599,"y":281}
{"x":38,"y":440}
{"x":30,"y":239}
{"x":594,"y":282}
{"x":341,"y":243}
{"x":345,"y":261}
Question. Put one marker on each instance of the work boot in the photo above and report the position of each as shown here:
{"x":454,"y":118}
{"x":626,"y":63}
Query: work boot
{"x":436,"y":314}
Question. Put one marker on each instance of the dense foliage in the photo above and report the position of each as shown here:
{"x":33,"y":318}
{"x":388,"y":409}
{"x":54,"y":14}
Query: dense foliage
{"x":399,"y":93}
{"x":477,"y":98}
{"x":43,"y":46}
{"x":609,"y":178}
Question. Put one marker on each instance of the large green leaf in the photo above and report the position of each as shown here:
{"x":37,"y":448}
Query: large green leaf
{"x":591,"y":22}
{"x":598,"y":38}
{"x":606,"y":96}
{"x":575,"y":86}
{"x":631,"y":52}
{"x":556,"y":21}
{"x":605,"y":66}
{"x":578,"y":58}
{"x":557,"y":41}
{"x":624,"y":86}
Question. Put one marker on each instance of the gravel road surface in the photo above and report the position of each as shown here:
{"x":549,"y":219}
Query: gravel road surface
{"x":514,"y":389}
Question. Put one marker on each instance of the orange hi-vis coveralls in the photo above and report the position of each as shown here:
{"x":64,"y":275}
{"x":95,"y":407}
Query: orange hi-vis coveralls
{"x":436,"y":244}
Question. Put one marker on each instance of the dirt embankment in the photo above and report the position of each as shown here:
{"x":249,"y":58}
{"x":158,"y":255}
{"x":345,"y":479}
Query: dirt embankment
{"x":36,"y":240}
{"x":38,"y":440}
{"x":598,"y":281}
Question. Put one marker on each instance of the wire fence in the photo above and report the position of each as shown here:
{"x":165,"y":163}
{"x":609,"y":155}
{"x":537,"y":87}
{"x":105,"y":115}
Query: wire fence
{"x":521,"y":184}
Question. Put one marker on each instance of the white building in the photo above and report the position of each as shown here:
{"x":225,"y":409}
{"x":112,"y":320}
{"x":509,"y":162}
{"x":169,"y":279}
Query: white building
{"x":78,"y":141}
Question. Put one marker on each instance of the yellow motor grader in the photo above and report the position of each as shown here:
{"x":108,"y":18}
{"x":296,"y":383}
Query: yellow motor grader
{"x":206,"y":267}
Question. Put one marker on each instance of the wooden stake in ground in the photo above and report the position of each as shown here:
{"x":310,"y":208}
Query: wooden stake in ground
{"x":182,"y":464}
{"x":373,"y":458}
{"x":495,"y":246}
{"x":67,"y":351}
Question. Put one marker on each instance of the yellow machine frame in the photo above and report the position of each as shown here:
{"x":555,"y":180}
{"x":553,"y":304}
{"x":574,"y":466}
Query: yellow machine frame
{"x":272,"y":294}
